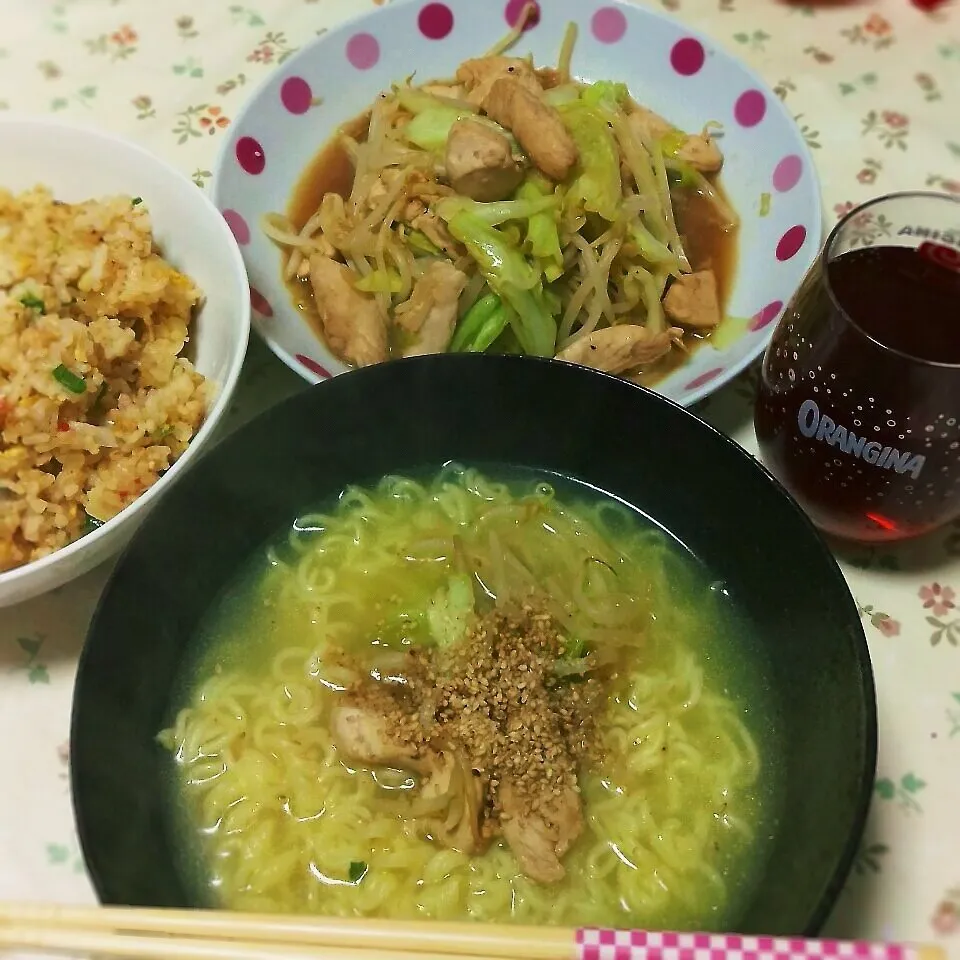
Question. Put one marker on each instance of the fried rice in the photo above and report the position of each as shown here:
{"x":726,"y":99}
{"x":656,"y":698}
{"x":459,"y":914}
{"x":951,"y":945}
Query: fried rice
{"x":97,"y":399}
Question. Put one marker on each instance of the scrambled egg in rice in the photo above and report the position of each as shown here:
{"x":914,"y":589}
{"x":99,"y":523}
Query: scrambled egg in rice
{"x":96,"y":399}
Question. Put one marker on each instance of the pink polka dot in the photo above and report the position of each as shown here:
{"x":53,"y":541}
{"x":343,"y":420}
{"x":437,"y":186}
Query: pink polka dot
{"x":608,"y":24}
{"x":260,"y":303}
{"x":765,"y":316}
{"x":513,"y":10}
{"x":435,"y":21}
{"x":296,"y":95}
{"x":238,"y":226}
{"x":363,"y":51}
{"x":704,"y":378}
{"x":250,"y":155}
{"x":750,"y":108}
{"x":313,"y":366}
{"x":787,"y":173}
{"x":687,"y":56}
{"x":791,"y":242}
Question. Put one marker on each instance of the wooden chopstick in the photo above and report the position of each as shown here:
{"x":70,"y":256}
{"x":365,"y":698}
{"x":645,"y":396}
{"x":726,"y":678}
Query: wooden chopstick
{"x":210,"y":935}
{"x":160,"y":947}
{"x":152,"y":934}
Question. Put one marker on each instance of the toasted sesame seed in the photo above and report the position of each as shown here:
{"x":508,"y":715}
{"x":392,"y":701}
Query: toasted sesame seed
{"x":495,"y":699}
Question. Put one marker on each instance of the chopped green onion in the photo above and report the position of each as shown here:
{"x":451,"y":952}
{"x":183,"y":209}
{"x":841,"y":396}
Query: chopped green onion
{"x":32,"y":302}
{"x":358,"y":870}
{"x":481,"y":311}
{"x":135,"y":201}
{"x":90,"y":524}
{"x":481,"y":325}
{"x":161,"y":433}
{"x":512,"y":277}
{"x":575,"y":648}
{"x":67,"y":378}
{"x":98,"y":399}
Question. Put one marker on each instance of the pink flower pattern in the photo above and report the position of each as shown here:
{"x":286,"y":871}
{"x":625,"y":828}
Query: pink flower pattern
{"x":888,"y":626}
{"x":946,"y":917}
{"x":882,"y":622}
{"x":940,"y":601}
{"x":937,"y":598}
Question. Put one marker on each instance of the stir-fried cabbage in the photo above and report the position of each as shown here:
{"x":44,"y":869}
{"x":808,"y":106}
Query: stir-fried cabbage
{"x":555,"y":211}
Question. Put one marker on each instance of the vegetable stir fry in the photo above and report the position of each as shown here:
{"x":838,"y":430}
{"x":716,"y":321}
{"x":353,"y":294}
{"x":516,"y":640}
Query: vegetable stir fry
{"x":512,"y":209}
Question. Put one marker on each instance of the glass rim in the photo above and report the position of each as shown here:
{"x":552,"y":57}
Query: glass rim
{"x":824,"y":255}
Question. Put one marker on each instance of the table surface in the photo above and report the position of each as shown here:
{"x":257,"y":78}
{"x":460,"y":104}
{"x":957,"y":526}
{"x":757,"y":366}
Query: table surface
{"x":875,"y":88}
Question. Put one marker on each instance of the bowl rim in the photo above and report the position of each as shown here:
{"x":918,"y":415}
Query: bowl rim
{"x":817,"y":226}
{"x":109,"y":140}
{"x":844,"y":858}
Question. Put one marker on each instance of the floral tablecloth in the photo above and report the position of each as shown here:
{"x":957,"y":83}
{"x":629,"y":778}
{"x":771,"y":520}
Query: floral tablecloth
{"x":875,"y":88}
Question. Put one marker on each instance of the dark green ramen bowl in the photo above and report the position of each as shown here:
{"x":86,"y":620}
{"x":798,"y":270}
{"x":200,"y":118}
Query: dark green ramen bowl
{"x":411,"y":415}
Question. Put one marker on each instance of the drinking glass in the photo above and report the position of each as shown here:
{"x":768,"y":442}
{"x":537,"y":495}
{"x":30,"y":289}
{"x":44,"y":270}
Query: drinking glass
{"x":858,"y":412}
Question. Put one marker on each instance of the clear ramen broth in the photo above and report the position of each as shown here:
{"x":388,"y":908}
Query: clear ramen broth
{"x":679,"y":798}
{"x":708,"y":242}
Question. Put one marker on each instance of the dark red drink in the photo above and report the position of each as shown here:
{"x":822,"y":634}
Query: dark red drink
{"x":858,"y":412}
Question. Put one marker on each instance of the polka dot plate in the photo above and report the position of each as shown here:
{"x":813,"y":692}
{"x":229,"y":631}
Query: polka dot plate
{"x":768,"y":171}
